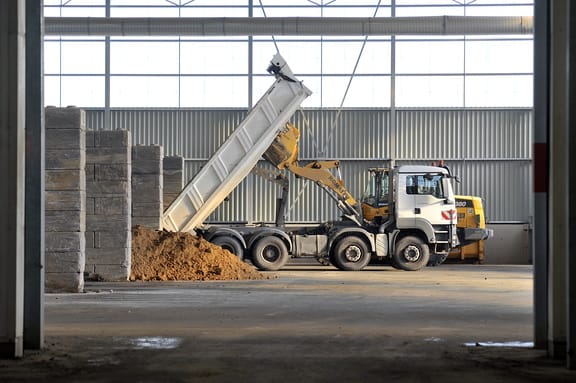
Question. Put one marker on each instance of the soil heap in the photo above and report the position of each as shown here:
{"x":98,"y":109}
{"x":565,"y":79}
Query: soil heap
{"x":167,"y":256}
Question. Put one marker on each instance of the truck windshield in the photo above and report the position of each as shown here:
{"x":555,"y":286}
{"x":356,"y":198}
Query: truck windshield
{"x":425,"y":184}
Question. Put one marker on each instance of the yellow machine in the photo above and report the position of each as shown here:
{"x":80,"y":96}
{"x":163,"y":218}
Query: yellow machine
{"x":470,"y":212}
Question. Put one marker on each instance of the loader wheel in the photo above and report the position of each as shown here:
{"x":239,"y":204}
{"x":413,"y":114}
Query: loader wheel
{"x":269,"y":253}
{"x":231,"y":244}
{"x":411,"y":254}
{"x":351,"y":254}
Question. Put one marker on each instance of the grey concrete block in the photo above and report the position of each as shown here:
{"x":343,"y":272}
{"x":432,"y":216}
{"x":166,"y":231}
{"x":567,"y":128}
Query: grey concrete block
{"x":146,"y":209}
{"x":108,"y":256}
{"x":111,"y":172}
{"x":112,"y":139}
{"x":90,"y":172}
{"x":90,"y":205}
{"x":64,"y":200}
{"x":90,"y":138}
{"x":115,"y":155}
{"x":110,"y":272}
{"x":173,"y":163}
{"x":65,"y":242}
{"x":58,"y":159}
{"x":147,"y":152}
{"x":111,"y":206}
{"x":65,"y":118}
{"x":64,"y":282}
{"x":168,"y":199}
{"x":112,"y":239}
{"x":65,"y":262}
{"x":64,"y":220}
{"x":107,"y":188}
{"x":146,"y":167}
{"x":65,"y":180}
{"x":149,"y":222}
{"x":108,"y":222}
{"x":65,"y":139}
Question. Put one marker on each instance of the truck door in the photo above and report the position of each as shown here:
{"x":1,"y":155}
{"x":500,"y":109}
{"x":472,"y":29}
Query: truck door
{"x":421,"y":201}
{"x":430,"y":206}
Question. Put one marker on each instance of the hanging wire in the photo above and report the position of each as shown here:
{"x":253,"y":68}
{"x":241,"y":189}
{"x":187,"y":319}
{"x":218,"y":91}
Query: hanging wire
{"x":273,"y":38}
{"x":335,"y":121}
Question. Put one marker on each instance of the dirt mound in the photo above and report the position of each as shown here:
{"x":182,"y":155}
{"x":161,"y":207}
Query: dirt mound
{"x":166,"y":256}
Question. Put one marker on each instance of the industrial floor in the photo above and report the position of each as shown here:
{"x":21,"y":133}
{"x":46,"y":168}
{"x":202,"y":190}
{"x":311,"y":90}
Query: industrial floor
{"x":302,"y":324}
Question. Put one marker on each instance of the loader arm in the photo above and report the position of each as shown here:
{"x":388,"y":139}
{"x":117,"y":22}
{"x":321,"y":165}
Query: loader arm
{"x":283,"y":153}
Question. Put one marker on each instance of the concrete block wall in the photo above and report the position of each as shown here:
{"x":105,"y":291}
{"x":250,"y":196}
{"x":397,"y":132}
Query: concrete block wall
{"x":65,"y":199}
{"x":173,"y":178}
{"x":147,"y":186}
{"x":108,"y":205}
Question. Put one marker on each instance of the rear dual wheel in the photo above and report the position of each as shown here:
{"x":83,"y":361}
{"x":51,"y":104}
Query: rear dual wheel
{"x":270,"y":253}
{"x":350,"y":254}
{"x":231,"y":244}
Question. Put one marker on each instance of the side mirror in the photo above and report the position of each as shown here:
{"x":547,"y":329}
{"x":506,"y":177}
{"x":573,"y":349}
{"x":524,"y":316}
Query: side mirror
{"x":448,"y":201}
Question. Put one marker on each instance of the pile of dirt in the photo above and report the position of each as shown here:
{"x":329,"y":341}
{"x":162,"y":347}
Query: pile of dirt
{"x":167,"y":256}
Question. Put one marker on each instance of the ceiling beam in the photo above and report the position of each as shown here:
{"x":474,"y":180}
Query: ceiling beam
{"x":289,"y":26}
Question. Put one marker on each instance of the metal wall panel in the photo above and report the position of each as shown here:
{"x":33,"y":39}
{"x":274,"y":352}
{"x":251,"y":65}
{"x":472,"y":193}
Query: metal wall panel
{"x":490,"y":150}
{"x":464,"y":134}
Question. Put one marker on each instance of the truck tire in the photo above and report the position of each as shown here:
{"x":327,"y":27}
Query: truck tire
{"x":351,"y":254}
{"x":269,"y":253}
{"x":231,"y":244}
{"x":411,"y":254}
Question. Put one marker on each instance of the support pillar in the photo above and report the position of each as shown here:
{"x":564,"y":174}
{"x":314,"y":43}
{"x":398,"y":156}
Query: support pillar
{"x":34,"y":252}
{"x":558,"y":187}
{"x":540,"y":171}
{"x":12,"y":168}
{"x":571,"y":255}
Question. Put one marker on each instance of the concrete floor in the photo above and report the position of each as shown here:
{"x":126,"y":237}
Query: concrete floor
{"x":303,"y":324}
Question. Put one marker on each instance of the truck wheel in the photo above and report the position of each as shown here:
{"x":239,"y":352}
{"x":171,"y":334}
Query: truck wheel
{"x":231,"y":244}
{"x":411,"y":254}
{"x":351,"y":254}
{"x":269,"y":253}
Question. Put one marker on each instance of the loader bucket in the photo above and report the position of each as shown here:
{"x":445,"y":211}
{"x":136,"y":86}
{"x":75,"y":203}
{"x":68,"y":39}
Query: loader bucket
{"x":284,"y":150}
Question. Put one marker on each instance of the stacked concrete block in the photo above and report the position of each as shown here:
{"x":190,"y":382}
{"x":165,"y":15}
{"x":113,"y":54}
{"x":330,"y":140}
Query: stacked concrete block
{"x":108,"y":205}
{"x":65,"y":199}
{"x":173,"y":178}
{"x":147,"y":186}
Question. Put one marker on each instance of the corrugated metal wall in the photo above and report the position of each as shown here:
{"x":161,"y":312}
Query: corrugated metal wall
{"x":489,"y":149}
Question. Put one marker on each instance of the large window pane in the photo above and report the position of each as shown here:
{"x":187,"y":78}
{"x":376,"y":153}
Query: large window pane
{"x":82,"y":91}
{"x":52,"y":57}
{"x":429,"y":91}
{"x":499,"y":91}
{"x":430,"y":57}
{"x":499,"y":56}
{"x":82,"y":57}
{"x":214,"y":92}
{"x":301,"y":57}
{"x":341,"y":57}
{"x":144,"y":57}
{"x":364,"y":92}
{"x":52,"y":90}
{"x":143,"y":91}
{"x":214,"y":57}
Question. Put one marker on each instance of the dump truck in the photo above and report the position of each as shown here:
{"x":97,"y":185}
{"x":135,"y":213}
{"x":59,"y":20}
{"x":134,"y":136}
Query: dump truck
{"x":420,"y":214}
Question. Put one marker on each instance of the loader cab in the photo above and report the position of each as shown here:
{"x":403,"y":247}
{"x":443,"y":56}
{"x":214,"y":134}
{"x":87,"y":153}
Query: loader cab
{"x":376,"y":197}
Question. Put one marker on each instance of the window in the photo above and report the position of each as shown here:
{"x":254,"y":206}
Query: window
{"x":427,"y":184}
